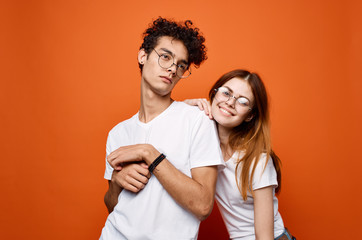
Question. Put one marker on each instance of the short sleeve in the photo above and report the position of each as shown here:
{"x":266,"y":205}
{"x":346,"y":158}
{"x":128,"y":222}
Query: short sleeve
{"x":265,"y":177}
{"x":205,"y":146}
{"x":109,"y":170}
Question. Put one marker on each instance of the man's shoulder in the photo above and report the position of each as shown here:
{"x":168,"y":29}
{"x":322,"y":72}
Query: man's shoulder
{"x":123,"y":125}
{"x":189,"y":111}
{"x":192,"y":117}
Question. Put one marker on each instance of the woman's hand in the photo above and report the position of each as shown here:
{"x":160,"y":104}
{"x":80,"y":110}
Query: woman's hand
{"x":202,"y":103}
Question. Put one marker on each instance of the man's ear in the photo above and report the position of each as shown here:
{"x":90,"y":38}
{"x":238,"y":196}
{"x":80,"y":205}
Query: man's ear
{"x":142,"y":56}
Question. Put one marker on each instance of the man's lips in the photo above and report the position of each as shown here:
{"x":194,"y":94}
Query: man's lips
{"x":167,"y":79}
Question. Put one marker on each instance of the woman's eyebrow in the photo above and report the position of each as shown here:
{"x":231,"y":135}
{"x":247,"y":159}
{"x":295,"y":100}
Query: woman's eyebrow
{"x":228,"y":89}
{"x":233,"y":93}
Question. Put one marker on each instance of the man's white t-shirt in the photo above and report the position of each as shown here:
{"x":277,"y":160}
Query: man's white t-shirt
{"x":238,"y":214}
{"x":189,"y":140}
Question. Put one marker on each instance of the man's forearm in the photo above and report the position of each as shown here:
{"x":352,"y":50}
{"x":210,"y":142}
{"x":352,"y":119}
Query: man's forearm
{"x":111,"y":196}
{"x":195,"y":194}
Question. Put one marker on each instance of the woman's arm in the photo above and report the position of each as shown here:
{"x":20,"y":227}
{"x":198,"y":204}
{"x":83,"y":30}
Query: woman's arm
{"x":264,"y":213}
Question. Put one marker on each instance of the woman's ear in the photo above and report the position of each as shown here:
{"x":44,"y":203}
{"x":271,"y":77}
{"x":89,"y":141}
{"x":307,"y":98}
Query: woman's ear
{"x":142,"y":56}
{"x":248,"y":119}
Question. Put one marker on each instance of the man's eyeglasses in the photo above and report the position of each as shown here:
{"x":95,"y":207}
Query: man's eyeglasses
{"x":166,"y":60}
{"x":223,"y":94}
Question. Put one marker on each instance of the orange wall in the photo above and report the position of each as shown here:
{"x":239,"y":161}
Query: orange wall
{"x":69,"y":73}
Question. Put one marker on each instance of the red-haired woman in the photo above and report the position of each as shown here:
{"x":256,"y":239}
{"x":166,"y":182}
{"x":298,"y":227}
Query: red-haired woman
{"x":245,"y":190}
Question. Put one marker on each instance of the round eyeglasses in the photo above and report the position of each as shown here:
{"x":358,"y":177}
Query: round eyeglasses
{"x":223,"y":94}
{"x":166,"y":60}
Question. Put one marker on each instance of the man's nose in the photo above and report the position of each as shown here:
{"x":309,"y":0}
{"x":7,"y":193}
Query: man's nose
{"x":173,"y":68}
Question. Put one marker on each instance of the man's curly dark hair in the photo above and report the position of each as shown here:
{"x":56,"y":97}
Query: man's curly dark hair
{"x":185,"y":32}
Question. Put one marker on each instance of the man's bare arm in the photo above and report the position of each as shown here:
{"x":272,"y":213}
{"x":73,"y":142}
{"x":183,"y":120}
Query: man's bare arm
{"x":111,"y":196}
{"x":195,"y":194}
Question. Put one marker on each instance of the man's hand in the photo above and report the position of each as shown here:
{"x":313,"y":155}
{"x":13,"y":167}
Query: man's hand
{"x":133,"y":177}
{"x":132,"y":153}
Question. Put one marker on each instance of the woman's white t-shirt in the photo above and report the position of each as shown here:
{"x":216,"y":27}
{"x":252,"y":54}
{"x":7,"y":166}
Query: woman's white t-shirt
{"x":238,"y":214}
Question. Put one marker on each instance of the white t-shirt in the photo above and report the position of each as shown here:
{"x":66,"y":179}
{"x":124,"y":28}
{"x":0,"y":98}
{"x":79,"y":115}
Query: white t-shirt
{"x":238,"y":214}
{"x":189,"y":140}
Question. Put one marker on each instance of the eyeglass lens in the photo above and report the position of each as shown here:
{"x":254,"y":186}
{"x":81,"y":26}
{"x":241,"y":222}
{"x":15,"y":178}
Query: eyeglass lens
{"x":166,"y":60}
{"x":223,"y":94}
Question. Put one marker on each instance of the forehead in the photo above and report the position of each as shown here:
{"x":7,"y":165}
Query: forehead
{"x":175,"y":46}
{"x":240,"y":87}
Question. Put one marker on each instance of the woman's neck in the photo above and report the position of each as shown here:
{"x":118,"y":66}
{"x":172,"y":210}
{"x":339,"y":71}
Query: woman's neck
{"x":225,"y":147}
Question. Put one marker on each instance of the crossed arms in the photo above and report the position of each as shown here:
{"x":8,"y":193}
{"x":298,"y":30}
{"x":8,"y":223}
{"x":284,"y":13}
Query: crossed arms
{"x":196,"y":194}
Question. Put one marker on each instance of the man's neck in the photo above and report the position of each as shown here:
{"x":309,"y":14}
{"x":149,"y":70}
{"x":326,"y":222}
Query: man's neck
{"x":152,"y":104}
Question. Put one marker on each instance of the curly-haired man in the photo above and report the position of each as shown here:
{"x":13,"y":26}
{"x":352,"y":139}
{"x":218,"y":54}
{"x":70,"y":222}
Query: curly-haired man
{"x":171,"y":187}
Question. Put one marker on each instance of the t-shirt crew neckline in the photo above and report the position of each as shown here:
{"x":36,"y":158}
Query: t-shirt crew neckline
{"x":157,"y":117}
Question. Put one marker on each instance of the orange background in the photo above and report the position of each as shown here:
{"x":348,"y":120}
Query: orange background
{"x":69,"y":73}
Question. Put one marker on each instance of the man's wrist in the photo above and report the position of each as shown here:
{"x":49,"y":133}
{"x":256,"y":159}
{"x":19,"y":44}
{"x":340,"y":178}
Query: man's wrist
{"x":114,"y":184}
{"x":149,"y":154}
{"x":157,"y":161}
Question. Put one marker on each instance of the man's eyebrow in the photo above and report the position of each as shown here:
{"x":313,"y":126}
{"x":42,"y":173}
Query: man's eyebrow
{"x":184,"y":61}
{"x":173,"y":55}
{"x":167,"y":51}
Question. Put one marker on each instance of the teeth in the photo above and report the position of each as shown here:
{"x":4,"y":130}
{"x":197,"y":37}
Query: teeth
{"x":223,"y":110}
